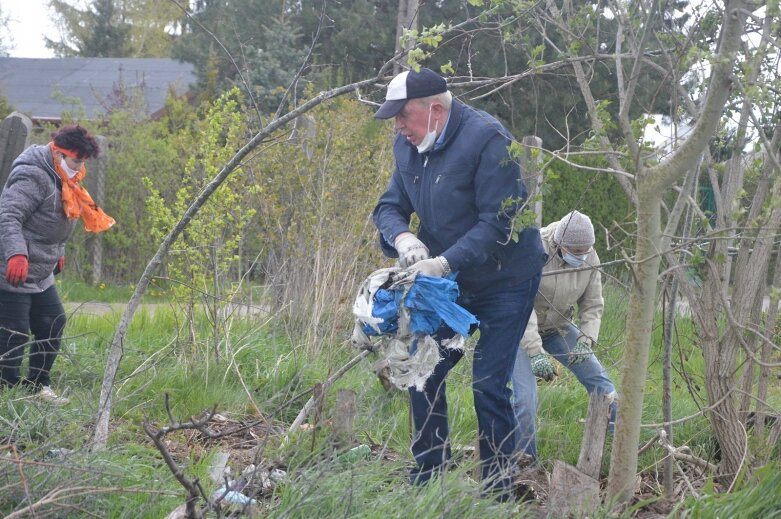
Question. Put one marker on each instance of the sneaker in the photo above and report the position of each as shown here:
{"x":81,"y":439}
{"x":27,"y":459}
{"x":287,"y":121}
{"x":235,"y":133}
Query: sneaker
{"x":47,"y":393}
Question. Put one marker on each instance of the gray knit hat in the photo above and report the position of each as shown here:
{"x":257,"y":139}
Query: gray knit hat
{"x":574,"y":230}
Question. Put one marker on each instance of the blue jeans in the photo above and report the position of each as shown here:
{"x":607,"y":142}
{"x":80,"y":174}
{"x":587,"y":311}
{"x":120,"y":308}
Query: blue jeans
{"x":503,"y":316}
{"x":41,"y":315}
{"x":590,"y":373}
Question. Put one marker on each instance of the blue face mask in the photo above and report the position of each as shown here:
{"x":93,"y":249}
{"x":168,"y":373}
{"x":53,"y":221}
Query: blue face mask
{"x":572,"y":260}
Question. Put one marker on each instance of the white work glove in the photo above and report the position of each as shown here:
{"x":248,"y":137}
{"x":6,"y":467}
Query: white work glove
{"x":542,"y":367}
{"x":434,"y":267}
{"x":581,"y":351}
{"x":410,"y":249}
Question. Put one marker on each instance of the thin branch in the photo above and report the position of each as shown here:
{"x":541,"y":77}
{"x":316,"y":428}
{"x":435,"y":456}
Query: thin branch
{"x":647,"y":445}
{"x":58,"y":494}
{"x":687,"y":418}
{"x":617,"y":172}
{"x":194,"y":490}
{"x":304,"y":63}
{"x":683,"y":453}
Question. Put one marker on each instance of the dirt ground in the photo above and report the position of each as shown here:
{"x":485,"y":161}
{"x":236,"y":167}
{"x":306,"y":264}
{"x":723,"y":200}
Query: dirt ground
{"x":244,"y":441}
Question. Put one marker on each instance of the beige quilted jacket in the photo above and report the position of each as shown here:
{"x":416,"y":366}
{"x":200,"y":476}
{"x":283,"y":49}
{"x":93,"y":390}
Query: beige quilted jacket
{"x":562,"y":295}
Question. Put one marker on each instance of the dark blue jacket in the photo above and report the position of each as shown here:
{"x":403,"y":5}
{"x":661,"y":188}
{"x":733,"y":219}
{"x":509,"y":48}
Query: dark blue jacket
{"x":457,"y":192}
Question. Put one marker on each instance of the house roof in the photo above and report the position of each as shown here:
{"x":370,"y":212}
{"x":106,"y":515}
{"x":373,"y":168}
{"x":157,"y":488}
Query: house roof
{"x":44,"y":88}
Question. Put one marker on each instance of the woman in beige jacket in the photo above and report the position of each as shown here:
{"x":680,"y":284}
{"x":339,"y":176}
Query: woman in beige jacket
{"x":569,"y":244}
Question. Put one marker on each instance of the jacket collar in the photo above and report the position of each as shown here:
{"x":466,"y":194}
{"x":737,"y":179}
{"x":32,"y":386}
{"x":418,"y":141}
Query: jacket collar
{"x":453,"y":124}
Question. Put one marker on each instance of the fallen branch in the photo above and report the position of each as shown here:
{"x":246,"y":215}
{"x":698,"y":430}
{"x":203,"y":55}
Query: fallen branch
{"x":684,"y":453}
{"x":647,"y":445}
{"x":194,"y":489}
{"x":59,"y":494}
{"x":312,"y":400}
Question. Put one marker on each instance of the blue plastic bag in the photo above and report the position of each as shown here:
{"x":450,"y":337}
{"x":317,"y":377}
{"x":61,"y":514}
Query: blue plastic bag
{"x":431,"y":301}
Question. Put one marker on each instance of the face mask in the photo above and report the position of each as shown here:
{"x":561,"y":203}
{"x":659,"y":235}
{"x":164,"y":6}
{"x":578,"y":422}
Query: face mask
{"x":70,"y":172}
{"x":431,"y":137}
{"x":572,"y":260}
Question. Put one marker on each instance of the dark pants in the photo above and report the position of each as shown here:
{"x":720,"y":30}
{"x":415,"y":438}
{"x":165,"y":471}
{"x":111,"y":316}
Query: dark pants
{"x":503,"y":316}
{"x":41,"y":315}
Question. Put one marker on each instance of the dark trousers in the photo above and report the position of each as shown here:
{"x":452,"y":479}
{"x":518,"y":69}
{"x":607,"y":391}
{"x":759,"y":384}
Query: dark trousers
{"x":503,"y":316}
{"x":41,"y":316}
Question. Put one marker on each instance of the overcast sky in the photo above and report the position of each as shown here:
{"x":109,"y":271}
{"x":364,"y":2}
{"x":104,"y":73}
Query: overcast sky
{"x":29,"y":21}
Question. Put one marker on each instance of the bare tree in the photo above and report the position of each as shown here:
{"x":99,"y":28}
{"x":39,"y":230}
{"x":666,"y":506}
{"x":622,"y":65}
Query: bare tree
{"x":728,"y":379}
{"x":646,"y":183}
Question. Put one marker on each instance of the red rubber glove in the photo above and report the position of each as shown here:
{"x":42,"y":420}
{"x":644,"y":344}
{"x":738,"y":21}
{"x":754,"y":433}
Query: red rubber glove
{"x":16,"y":270}
{"x":60,"y":265}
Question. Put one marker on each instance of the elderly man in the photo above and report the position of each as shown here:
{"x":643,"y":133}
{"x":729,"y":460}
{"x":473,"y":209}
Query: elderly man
{"x":454,"y":172}
{"x":570,"y":243}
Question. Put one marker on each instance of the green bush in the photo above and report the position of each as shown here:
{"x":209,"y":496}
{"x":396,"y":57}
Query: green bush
{"x":596,"y":194}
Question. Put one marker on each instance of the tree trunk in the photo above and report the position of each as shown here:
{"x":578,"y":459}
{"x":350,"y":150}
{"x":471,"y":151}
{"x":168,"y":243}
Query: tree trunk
{"x":651,"y":184}
{"x":750,"y":279}
{"x":771,"y":329}
{"x":639,"y":330}
{"x":407,"y":20}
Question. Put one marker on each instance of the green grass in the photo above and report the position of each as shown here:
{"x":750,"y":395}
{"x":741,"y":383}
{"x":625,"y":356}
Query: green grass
{"x":74,"y":289}
{"x":259,"y":366}
{"x":759,"y":497}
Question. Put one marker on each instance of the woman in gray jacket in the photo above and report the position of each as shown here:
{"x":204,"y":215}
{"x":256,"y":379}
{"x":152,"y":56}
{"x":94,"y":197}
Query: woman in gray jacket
{"x":39,"y":206}
{"x":555,"y":328}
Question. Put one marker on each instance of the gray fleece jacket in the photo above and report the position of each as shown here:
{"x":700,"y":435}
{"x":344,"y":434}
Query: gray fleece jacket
{"x":32,"y":221}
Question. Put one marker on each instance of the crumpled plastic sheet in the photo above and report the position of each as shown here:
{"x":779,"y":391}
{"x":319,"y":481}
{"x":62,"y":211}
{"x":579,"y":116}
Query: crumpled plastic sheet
{"x":364,"y":301}
{"x":432,"y":301}
{"x":398,"y":314}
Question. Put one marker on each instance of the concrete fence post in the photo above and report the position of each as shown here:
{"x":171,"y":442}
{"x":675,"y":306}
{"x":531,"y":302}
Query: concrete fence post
{"x":96,"y":185}
{"x":15,"y":133}
{"x":532,"y":175}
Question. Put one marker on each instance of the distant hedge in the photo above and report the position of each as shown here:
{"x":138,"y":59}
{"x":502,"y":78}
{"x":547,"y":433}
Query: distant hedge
{"x":596,"y":194}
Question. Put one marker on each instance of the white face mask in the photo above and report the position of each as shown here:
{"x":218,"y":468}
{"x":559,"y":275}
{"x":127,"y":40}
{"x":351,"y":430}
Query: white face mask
{"x":431,"y":137}
{"x":70,"y":172}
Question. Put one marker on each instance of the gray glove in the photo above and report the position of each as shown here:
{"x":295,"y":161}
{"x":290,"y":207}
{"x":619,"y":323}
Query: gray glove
{"x":435,"y":267}
{"x":581,"y":351}
{"x":542,"y":367}
{"x":410,"y":249}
